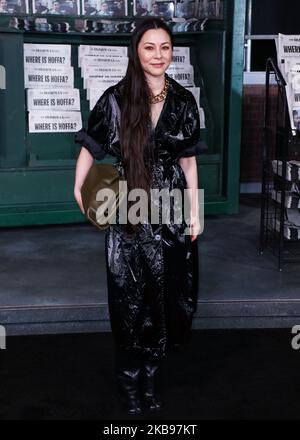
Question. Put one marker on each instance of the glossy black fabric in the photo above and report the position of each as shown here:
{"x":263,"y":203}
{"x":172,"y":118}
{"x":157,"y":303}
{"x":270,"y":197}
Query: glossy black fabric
{"x":152,"y":274}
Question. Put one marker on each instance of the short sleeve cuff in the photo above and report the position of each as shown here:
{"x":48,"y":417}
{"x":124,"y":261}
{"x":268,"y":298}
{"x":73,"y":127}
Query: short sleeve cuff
{"x":194,"y":150}
{"x":83,"y":138}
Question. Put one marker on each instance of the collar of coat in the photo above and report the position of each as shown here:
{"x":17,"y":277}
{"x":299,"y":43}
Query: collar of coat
{"x":173,"y":107}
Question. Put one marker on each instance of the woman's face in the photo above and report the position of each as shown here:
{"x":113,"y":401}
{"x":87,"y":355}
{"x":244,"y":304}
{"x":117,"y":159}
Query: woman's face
{"x":155,"y":52}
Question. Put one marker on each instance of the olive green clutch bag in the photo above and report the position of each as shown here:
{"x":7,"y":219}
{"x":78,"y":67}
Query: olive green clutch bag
{"x":101,"y":208}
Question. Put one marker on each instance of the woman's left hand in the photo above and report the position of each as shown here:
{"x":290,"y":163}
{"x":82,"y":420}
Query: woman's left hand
{"x":195,"y":228}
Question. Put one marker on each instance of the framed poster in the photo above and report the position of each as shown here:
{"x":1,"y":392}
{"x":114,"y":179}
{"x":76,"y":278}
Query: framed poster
{"x":56,"y":7}
{"x":14,"y":7}
{"x":210,"y":9}
{"x":105,"y":9}
{"x":185,"y":9}
{"x":54,"y":122}
{"x":156,"y":8}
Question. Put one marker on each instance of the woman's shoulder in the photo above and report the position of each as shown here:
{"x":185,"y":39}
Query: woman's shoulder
{"x":115,"y":89}
{"x":179,"y":90}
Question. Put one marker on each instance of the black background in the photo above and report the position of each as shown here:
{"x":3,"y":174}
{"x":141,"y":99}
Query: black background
{"x":270,"y":17}
{"x":274,"y":16}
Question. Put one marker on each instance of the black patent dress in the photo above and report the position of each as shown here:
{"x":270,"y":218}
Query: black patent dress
{"x":152,"y":274}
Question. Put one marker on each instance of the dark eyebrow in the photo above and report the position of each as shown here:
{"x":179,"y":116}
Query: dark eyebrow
{"x":148,"y":42}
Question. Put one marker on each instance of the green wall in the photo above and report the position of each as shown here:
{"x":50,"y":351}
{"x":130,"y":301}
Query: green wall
{"x":37,"y":170}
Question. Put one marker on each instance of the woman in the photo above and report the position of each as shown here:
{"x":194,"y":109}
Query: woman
{"x":150,"y":123}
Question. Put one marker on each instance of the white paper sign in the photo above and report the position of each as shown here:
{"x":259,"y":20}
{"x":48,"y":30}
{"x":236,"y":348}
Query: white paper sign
{"x":53,"y":54}
{"x":113,"y":74}
{"x":101,"y":62}
{"x":94,"y":96}
{"x":49,"y":77}
{"x":196,"y":92}
{"x":290,"y":97}
{"x":202,"y":118}
{"x":91,"y":71}
{"x":97,"y":91}
{"x":296,"y":98}
{"x":288,"y":50}
{"x":67,"y":99}
{"x":98,"y":84}
{"x":181,"y":55}
{"x":182,"y":74}
{"x":295,"y":81}
{"x":289,"y":46}
{"x":54,"y":122}
{"x":290,"y":64}
{"x":93,"y":101}
{"x":276,"y":39}
{"x":101,"y":51}
{"x":94,"y":60}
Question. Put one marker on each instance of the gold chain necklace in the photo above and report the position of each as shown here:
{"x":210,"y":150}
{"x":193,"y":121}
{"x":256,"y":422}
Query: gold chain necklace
{"x":162,"y":95}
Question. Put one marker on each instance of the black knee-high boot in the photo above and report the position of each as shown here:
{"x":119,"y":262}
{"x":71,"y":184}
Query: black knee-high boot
{"x":149,"y":389}
{"x":128,"y":371}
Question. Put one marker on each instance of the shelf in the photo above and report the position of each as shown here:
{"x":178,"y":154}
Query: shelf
{"x":6,"y":25}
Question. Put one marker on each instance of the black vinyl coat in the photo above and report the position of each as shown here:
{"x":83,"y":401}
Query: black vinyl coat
{"x":152,"y":274}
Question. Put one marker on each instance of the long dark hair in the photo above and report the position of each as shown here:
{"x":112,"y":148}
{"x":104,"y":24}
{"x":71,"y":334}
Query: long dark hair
{"x":136,"y":111}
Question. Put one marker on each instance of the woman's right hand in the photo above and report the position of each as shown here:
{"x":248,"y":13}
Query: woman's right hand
{"x":78,"y":198}
{"x":83,"y":164}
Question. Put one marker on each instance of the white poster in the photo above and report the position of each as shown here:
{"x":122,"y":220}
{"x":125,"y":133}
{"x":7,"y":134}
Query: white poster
{"x":97,"y":91}
{"x":289,"y":45}
{"x":202,"y":118}
{"x":98,"y":84}
{"x":289,"y":95}
{"x":295,"y":81}
{"x":292,"y":65}
{"x":181,"y":55}
{"x":112,"y":74}
{"x":94,"y":60}
{"x":101,"y":51}
{"x":53,"y":54}
{"x":196,"y":92}
{"x":94,"y":95}
{"x":288,"y":52}
{"x":54,"y":122}
{"x":92,"y":71}
{"x":94,"y":100}
{"x":66,"y":100}
{"x":182,"y":74}
{"x":97,"y":64}
{"x":49,"y":77}
{"x":296,"y":98}
{"x":46,"y":60}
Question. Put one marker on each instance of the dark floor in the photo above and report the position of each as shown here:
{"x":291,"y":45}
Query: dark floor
{"x":221,"y":374}
{"x":53,"y":279}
